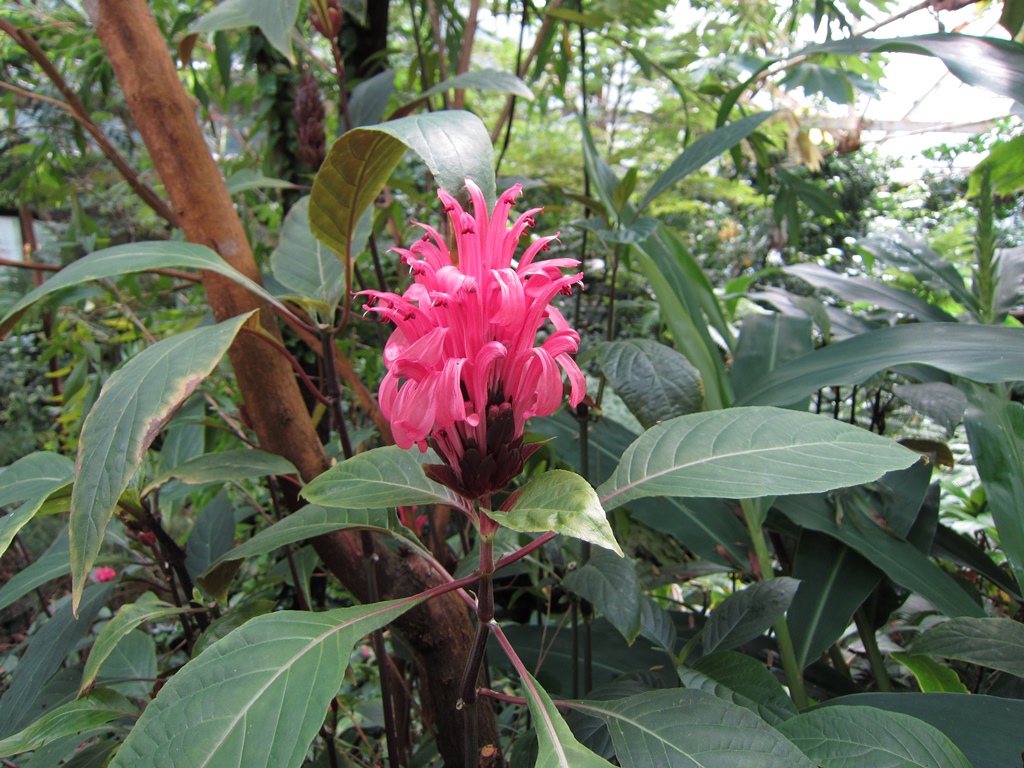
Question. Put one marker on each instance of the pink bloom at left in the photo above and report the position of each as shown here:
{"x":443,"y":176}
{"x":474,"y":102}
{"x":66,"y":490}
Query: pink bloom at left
{"x":104,"y":573}
{"x":465,"y":370}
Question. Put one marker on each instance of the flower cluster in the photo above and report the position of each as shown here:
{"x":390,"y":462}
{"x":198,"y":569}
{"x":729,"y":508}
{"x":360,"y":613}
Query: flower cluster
{"x":465,"y":371}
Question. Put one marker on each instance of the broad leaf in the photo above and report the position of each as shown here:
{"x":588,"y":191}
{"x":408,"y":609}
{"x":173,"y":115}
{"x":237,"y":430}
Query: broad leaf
{"x":870,"y":291}
{"x":610,"y":583}
{"x":246,"y":178}
{"x":744,"y":681}
{"x":937,"y":400}
{"x":985,"y":728}
{"x":34,"y":475}
{"x":257,"y":697}
{"x":747,"y":614}
{"x":52,"y":564}
{"x":129,"y":259}
{"x":275,"y":18}
{"x":128,"y":617}
{"x":136,"y":402}
{"x":226,"y":466}
{"x":382,"y":477}
{"x":99,"y":707}
{"x":931,"y":676}
{"x":563,"y":502}
{"x":765,"y":343}
{"x":749,"y":453}
{"x":852,"y":737}
{"x":307,"y":523}
{"x":987,"y":62}
{"x":690,"y":728}
{"x":962,"y":550}
{"x":11,"y":523}
{"x":454,"y":146}
{"x":212,"y":534}
{"x":979,"y":352}
{"x":302,"y":264}
{"x":557,"y":747}
{"x":988,"y":642}
{"x":703,"y":151}
{"x":654,"y":381}
{"x":995,"y":431}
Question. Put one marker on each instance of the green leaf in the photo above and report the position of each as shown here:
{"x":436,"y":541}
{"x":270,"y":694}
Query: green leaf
{"x":229,"y":622}
{"x":33,"y":475}
{"x":744,"y":681}
{"x":765,"y":343}
{"x":226,"y":466}
{"x":557,"y":747}
{"x":246,"y":178}
{"x":129,"y":259}
{"x":99,"y":707}
{"x":563,"y":502}
{"x":11,"y":523}
{"x":749,"y":453}
{"x":931,"y":676}
{"x":128,"y":617}
{"x":987,"y":62}
{"x":654,"y":380}
{"x":57,"y":637}
{"x":483,"y":80}
{"x":979,"y":352}
{"x":275,"y":18}
{"x":136,"y":402}
{"x":961,"y":549}
{"x":284,"y":668}
{"x":937,"y":400}
{"x":454,"y":146}
{"x":995,"y":431}
{"x":52,"y":564}
{"x":988,"y":642}
{"x":656,"y":624}
{"x":747,"y":614}
{"x":131,"y":667}
{"x":610,"y":583}
{"x":834,"y":582}
{"x":703,"y":151}
{"x":985,"y":728}
{"x":307,"y":523}
{"x":684,"y":727}
{"x":382,"y":477}
{"x":852,"y":737}
{"x":212,"y":534}
{"x":869,"y":291}
{"x":302,"y":264}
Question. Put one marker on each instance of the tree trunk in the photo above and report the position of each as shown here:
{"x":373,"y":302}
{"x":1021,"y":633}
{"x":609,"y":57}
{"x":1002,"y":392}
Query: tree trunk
{"x":441,"y":631}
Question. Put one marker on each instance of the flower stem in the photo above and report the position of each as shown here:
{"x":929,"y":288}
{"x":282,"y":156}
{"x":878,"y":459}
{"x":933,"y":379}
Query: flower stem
{"x":794,"y":675}
{"x":875,"y":658}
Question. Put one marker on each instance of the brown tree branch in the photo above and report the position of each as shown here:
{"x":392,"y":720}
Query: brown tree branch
{"x":440,"y":631}
{"x":78,"y":110}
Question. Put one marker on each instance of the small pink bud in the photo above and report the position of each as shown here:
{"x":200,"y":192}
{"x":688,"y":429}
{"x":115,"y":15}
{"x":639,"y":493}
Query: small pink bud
{"x":104,"y":574}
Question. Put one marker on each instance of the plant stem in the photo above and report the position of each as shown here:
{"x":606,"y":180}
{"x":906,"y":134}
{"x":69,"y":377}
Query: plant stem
{"x":484,"y":615}
{"x":875,"y":658}
{"x":794,"y":675}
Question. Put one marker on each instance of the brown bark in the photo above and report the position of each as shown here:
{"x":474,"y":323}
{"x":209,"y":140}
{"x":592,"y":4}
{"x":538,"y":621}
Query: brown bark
{"x":440,"y":631}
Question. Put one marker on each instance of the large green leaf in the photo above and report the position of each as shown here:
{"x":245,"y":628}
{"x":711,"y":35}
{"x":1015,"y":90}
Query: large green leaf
{"x":256,"y":697}
{"x":33,"y":475}
{"x":128,"y":259}
{"x":703,"y":151}
{"x":226,"y":466}
{"x":987,"y":62}
{"x":979,"y":352}
{"x":212,"y":534}
{"x":744,"y":681}
{"x":610,"y":583}
{"x":99,"y":707}
{"x":653,"y":380}
{"x":302,"y":264}
{"x":684,"y":728}
{"x":563,"y":502}
{"x":275,"y":18}
{"x":557,"y":747}
{"x":765,"y":343}
{"x":52,"y":564}
{"x":128,"y":617}
{"x":18,"y":518}
{"x":995,"y":431}
{"x":989,"y":642}
{"x":869,"y":291}
{"x":985,"y":728}
{"x":931,"y":676}
{"x":747,"y":614}
{"x":382,"y":477}
{"x":307,"y":523}
{"x":136,"y":402}
{"x":853,"y":737}
{"x":454,"y":145}
{"x":749,"y":453}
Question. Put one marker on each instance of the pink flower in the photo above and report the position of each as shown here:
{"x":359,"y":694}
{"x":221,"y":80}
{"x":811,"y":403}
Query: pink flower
{"x":465,"y":371}
{"x":104,"y":574}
